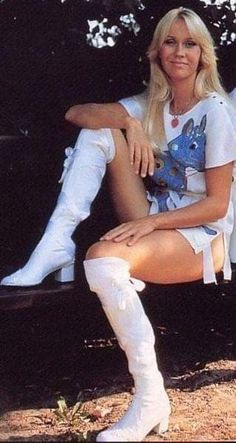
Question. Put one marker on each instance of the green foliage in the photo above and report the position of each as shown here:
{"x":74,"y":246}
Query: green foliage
{"x":73,"y":415}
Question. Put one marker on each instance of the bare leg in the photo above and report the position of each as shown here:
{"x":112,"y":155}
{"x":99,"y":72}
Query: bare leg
{"x":161,"y":257}
{"x":127,"y":188}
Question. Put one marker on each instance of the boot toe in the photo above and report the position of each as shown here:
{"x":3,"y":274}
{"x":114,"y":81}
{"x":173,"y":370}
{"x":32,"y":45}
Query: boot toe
{"x":16,"y":279}
{"x":12,"y":279}
{"x":108,"y":436}
{"x":117,"y":435}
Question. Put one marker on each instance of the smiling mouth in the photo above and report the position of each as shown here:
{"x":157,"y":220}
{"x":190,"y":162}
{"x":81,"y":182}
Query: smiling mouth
{"x":179,"y":63}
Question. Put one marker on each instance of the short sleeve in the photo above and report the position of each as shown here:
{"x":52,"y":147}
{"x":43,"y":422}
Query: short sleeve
{"x":232,"y":95}
{"x":135,"y":105}
{"x":220,"y":135}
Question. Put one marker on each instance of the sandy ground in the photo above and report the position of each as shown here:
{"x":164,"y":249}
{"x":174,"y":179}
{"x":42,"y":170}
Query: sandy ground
{"x":196,"y":345}
{"x":203,"y":409}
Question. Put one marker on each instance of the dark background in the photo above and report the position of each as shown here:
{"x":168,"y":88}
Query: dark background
{"x":47,"y":62}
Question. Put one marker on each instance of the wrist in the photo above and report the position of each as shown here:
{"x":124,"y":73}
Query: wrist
{"x":132,"y":122}
{"x":156,"y":220}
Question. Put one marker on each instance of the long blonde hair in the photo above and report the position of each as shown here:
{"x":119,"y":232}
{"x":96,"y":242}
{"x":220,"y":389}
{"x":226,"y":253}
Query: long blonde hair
{"x":159,"y":89}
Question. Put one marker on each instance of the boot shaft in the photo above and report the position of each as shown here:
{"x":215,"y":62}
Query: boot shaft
{"x":109,"y":277}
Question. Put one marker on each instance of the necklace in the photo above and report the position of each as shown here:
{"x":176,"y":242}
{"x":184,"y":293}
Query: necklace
{"x":175,"y":119}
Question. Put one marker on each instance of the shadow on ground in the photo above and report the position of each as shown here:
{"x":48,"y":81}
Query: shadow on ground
{"x":63,"y":349}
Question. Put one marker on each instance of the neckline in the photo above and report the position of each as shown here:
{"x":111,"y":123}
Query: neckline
{"x":167,"y":108}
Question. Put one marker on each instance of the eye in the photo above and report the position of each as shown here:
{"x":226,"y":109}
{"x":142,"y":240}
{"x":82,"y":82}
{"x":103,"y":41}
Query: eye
{"x":159,"y":163}
{"x":170,"y":42}
{"x":193,"y":146}
{"x":190,"y":44}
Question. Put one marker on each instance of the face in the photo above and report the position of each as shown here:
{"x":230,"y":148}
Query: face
{"x":180,"y":53}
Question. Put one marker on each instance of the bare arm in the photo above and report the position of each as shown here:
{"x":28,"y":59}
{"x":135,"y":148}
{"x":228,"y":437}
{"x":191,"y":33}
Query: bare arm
{"x":96,"y":116}
{"x":211,"y":208}
{"x":115,"y":116}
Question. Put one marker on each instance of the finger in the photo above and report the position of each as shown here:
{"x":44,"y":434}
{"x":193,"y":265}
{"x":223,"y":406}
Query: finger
{"x":123,"y":236}
{"x":137,"y":159}
{"x":144,"y":164}
{"x":134,"y":238}
{"x":138,"y":233}
{"x":120,"y":239}
{"x":131,"y":153}
{"x":131,"y":241}
{"x":109,"y":236}
{"x":114,"y":232}
{"x":151,"y":165}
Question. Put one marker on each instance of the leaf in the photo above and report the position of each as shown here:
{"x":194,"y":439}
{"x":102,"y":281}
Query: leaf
{"x":62,"y":405}
{"x":80,"y":396}
{"x":76,"y":408}
{"x":85,"y":418}
{"x":60,"y":414}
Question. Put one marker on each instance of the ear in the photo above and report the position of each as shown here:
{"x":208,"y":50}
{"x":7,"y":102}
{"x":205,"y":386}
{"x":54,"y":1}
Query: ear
{"x":202,"y":124}
{"x":188,"y":127}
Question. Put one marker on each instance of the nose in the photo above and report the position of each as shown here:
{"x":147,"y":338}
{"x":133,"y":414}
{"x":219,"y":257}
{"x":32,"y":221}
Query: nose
{"x":179,"y":50}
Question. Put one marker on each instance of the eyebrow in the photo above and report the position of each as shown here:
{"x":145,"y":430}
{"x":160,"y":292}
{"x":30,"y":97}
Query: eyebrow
{"x":172,"y":36}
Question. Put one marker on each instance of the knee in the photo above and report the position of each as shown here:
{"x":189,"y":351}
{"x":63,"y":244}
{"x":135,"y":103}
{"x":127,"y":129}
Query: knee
{"x":89,"y":134}
{"x":100,"y":249}
{"x":99,"y":139}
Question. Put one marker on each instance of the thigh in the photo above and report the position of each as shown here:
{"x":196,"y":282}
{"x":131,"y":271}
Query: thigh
{"x":127,"y":188}
{"x":161,"y":257}
{"x":169,"y":258}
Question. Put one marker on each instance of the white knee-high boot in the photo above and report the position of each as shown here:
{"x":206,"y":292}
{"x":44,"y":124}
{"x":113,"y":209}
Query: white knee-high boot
{"x":109,"y":277}
{"x":83,"y":172}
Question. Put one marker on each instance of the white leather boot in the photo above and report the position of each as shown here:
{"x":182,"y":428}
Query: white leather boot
{"x":84,"y":170}
{"x":150,"y":409}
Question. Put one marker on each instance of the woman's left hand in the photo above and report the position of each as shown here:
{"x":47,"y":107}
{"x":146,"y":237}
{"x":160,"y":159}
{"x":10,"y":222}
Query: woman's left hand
{"x":132,"y":230}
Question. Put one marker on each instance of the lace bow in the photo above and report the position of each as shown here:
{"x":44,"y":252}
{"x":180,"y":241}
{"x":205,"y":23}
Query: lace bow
{"x":138,"y":285}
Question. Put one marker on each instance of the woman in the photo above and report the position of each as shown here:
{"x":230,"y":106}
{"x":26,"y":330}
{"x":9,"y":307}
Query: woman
{"x":177,"y":232}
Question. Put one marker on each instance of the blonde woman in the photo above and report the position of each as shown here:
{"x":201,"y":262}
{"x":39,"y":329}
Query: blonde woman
{"x":180,"y":133}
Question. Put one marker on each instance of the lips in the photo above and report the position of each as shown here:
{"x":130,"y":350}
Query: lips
{"x":181,"y":64}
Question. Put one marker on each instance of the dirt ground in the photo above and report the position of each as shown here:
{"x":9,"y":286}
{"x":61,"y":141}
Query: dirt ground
{"x":204,"y":412}
{"x":71,"y":397}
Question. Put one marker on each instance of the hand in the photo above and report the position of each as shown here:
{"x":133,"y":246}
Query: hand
{"x":140,"y":148}
{"x":132,"y":230}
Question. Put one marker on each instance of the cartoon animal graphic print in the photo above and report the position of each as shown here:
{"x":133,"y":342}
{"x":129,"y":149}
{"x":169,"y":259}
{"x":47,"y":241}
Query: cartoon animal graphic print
{"x":184,"y":151}
{"x":168,"y":173}
{"x":187,"y":150}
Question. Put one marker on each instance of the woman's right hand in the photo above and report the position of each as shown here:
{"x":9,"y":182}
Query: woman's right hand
{"x":140,"y":148}
{"x":113,"y":115}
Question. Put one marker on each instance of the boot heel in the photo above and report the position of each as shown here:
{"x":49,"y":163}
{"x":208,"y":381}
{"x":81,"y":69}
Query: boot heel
{"x":163,"y":426}
{"x":65,"y":274}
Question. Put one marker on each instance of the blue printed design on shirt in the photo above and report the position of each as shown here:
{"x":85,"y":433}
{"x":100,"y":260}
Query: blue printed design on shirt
{"x":187,"y":150}
{"x":168,"y":172}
